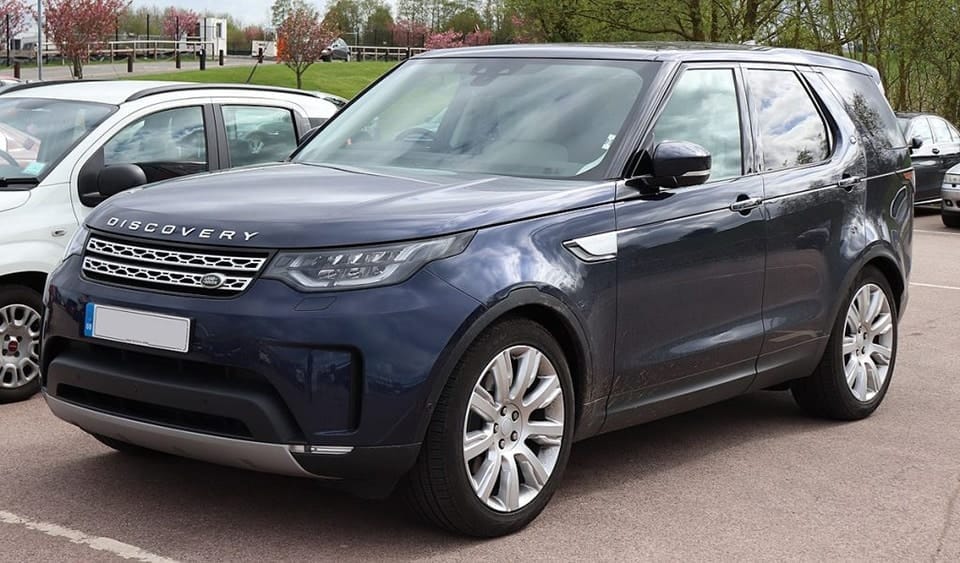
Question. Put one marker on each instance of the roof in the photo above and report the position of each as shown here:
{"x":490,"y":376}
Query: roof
{"x":116,"y":92}
{"x":656,"y":51}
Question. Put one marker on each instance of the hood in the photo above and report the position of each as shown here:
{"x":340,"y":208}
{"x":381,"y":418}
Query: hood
{"x":304,"y":206}
{"x":13,"y":199}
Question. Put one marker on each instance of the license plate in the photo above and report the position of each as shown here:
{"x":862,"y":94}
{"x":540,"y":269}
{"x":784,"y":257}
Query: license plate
{"x":151,"y":330}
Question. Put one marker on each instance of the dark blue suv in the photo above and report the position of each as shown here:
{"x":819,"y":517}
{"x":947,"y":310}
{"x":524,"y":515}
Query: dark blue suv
{"x":491,"y":254}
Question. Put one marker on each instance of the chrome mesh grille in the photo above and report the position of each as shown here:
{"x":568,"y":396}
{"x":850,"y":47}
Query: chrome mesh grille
{"x":171,"y":269}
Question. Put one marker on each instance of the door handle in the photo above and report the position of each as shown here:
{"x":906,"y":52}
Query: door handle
{"x":849,"y":182}
{"x":935,"y":151}
{"x":746,"y":204}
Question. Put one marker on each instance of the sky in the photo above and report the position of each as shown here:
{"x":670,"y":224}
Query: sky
{"x":249,"y":11}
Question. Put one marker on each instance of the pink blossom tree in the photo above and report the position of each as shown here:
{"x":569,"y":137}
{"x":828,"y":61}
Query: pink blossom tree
{"x":444,"y":40}
{"x":77,"y":26}
{"x":304,"y":38}
{"x":407,"y":33}
{"x":17,"y":11}
{"x":178,"y":22}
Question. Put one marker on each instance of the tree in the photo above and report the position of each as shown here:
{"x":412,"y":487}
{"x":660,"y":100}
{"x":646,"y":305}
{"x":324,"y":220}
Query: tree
{"x":379,"y":26}
{"x":17,"y":11}
{"x":279,"y":11}
{"x":77,"y":26}
{"x":444,"y":40}
{"x":178,"y":22}
{"x":407,"y":33}
{"x":304,"y":37}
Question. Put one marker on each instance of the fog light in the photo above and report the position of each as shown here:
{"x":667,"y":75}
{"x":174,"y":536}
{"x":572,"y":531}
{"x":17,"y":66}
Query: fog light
{"x":948,"y":203}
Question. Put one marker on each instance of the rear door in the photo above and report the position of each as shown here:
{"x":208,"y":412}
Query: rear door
{"x":926,"y":160}
{"x":813,"y":169}
{"x":256,"y":131}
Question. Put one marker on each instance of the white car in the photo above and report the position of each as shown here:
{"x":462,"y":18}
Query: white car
{"x":65,"y":147}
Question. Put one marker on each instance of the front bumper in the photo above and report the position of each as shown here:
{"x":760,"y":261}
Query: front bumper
{"x":331,"y":385}
{"x":950,"y":193}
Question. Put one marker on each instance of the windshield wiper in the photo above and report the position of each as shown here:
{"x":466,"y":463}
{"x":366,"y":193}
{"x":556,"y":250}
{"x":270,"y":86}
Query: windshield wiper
{"x":24,"y":181}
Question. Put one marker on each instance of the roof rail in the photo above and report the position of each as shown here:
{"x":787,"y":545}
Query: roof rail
{"x":40,"y":84}
{"x":204,"y":86}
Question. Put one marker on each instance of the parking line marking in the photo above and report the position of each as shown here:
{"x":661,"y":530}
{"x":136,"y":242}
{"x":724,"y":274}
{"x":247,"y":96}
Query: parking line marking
{"x":114,"y":547}
{"x":936,"y":232}
{"x":935,"y":286}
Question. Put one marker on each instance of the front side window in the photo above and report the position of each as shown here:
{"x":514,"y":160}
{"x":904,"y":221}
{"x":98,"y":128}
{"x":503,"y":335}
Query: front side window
{"x":171,"y":137}
{"x":35,"y":134}
{"x":920,"y":127}
{"x":259,"y":134}
{"x":703,"y":109}
{"x":792,"y":131}
{"x":516,"y":117}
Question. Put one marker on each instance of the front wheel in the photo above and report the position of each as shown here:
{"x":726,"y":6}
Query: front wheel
{"x":20,"y":320}
{"x":857,"y":366}
{"x":951,"y":220}
{"x":500,"y":436}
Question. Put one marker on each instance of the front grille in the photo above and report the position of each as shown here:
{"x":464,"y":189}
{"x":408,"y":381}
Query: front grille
{"x":179,"y":269}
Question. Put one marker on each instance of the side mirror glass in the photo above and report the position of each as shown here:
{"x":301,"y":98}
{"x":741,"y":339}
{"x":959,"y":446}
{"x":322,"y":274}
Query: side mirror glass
{"x":118,"y":178}
{"x":916,"y":143}
{"x":677,"y":164}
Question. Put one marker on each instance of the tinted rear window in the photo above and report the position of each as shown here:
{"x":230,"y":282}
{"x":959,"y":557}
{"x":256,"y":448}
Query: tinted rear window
{"x":868,"y":108}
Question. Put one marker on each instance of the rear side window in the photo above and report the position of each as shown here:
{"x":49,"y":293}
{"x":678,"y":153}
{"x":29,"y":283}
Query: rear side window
{"x":940,"y":130}
{"x":792,"y":131}
{"x":259,"y":134}
{"x":868,"y":108}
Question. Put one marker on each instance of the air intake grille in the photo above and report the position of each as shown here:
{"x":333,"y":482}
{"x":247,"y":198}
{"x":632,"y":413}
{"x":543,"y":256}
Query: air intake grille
{"x":170,"y":269}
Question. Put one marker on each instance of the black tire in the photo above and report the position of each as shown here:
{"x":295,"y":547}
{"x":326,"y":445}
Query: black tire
{"x":438,"y":486}
{"x":125,"y":447}
{"x":951,"y":220}
{"x":20,"y":295}
{"x":826,"y":393}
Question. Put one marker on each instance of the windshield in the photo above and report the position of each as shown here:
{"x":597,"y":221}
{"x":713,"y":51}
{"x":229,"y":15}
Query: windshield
{"x":36,"y":133}
{"x":516,"y":117}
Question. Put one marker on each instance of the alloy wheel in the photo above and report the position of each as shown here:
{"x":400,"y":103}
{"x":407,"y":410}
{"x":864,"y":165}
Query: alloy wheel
{"x":513,"y":429}
{"x":19,"y":346}
{"x":868,"y":342}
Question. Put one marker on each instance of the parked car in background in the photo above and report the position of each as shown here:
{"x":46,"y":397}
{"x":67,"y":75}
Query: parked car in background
{"x":938,"y":152}
{"x":491,"y":254}
{"x":6,"y":83}
{"x":65,"y":148}
{"x":950,"y":195}
{"x":337,"y":51}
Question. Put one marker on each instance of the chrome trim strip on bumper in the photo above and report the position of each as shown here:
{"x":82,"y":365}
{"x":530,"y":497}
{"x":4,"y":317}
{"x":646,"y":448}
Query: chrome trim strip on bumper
{"x":256,"y":456}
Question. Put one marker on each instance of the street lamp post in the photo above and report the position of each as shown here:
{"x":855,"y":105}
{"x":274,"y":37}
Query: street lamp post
{"x":39,"y":39}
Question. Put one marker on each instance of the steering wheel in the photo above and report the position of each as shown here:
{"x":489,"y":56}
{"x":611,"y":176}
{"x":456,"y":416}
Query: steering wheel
{"x":5,"y":156}
{"x":416,"y":135}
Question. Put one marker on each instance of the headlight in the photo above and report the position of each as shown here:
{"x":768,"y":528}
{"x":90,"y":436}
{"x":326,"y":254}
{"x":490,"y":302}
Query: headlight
{"x":951,"y":179}
{"x":326,"y":270}
{"x":76,"y":243}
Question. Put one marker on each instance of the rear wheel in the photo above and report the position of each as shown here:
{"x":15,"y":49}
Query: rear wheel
{"x":500,"y":436}
{"x":20,"y":320}
{"x":951,"y":220}
{"x":857,"y":366}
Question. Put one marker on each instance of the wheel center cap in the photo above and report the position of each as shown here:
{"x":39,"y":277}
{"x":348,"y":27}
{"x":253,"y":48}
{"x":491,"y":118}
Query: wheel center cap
{"x":13,"y":347}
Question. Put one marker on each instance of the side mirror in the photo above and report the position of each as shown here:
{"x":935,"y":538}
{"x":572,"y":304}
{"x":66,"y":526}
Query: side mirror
{"x":118,"y":178}
{"x":916,"y":143}
{"x":678,"y":164}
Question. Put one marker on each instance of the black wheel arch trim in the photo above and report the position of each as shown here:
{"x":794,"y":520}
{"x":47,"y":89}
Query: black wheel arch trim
{"x":587,"y":421}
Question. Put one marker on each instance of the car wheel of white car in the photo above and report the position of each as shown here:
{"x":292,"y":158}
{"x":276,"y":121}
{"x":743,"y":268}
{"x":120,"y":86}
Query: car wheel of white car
{"x":20,"y":319}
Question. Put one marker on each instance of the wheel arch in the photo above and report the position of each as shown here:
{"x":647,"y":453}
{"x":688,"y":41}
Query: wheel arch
{"x":32,"y":279}
{"x":884,"y":259}
{"x":537,"y":306}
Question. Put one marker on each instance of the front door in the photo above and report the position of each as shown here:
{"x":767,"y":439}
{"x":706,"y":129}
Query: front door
{"x":691,"y":267}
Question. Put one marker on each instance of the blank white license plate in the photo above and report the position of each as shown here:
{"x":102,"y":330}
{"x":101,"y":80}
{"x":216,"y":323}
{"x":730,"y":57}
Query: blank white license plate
{"x":137,"y":327}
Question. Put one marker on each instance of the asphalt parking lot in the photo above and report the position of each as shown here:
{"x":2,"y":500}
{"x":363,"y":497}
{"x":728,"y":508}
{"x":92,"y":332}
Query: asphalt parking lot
{"x":751,"y":478}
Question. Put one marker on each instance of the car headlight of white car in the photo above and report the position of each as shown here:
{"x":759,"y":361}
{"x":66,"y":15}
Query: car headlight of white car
{"x":951,"y":179}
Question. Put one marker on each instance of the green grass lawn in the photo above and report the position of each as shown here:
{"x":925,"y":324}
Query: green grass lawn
{"x":342,"y":79}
